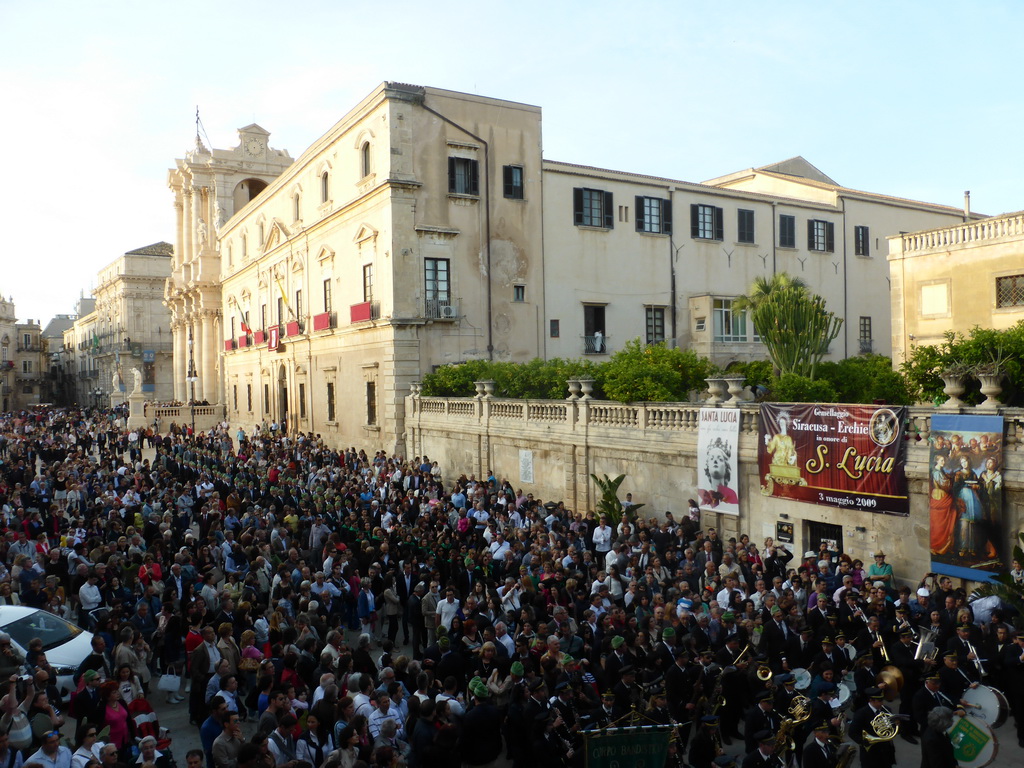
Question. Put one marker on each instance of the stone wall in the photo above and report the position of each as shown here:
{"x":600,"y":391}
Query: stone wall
{"x":655,"y":446}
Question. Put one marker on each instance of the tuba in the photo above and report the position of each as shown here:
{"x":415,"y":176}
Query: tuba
{"x":885,"y":728}
{"x":844,"y":755}
{"x":926,"y":650}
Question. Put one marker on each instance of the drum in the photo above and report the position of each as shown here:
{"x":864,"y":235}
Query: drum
{"x":974,"y":744}
{"x":803,"y":678}
{"x":987,"y":704}
{"x":842,"y":696}
{"x":851,"y":683}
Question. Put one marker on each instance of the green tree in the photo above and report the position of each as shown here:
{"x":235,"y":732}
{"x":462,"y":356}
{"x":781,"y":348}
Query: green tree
{"x":764,"y":288}
{"x":796,"y":327}
{"x":654,"y":373}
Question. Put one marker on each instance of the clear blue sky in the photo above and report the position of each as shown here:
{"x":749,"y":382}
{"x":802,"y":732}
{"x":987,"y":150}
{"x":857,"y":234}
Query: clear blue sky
{"x":918,"y":99}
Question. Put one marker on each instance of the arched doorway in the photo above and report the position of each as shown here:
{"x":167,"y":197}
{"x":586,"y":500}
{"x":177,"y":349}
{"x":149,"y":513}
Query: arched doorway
{"x":282,"y":397}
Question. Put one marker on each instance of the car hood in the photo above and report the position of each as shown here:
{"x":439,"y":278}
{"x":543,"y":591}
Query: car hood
{"x":71,"y":653}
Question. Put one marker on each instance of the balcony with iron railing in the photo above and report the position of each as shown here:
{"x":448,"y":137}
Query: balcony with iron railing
{"x":595,"y":345}
{"x":867,"y":346}
{"x":441,"y":309}
{"x":364,"y":311}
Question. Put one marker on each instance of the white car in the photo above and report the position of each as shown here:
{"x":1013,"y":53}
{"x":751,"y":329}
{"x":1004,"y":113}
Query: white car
{"x":65,"y":644}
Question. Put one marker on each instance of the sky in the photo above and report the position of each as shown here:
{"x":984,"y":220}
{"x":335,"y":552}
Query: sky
{"x":914,"y":99}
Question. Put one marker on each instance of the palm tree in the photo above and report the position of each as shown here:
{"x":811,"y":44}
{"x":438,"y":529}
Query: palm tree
{"x":764,"y":288}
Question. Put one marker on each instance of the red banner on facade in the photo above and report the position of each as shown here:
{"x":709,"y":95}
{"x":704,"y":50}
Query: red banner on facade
{"x":845,"y":456}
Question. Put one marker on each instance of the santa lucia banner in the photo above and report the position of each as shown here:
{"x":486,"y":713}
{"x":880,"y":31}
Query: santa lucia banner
{"x":965,"y":500}
{"x":845,"y":456}
{"x":643,"y":746}
{"x":717,"y":463}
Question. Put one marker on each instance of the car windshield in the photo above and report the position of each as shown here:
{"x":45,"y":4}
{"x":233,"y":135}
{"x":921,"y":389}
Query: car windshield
{"x":52,"y":630}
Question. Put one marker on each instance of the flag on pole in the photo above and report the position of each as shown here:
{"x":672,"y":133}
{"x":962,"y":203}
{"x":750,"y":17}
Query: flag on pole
{"x":95,"y":341}
{"x":284,"y":297}
{"x":245,"y":326}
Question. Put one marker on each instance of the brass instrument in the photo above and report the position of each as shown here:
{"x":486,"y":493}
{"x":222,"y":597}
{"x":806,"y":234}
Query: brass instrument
{"x":885,"y":651}
{"x":977,"y":661}
{"x":885,"y":728}
{"x":845,"y":754}
{"x":891,"y":679}
{"x":783,"y":739}
{"x":800,"y":708}
{"x":764,"y":673}
{"x":926,"y":649}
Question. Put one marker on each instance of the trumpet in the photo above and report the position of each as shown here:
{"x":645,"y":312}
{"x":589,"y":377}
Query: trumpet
{"x":977,"y":660}
{"x":885,"y":651}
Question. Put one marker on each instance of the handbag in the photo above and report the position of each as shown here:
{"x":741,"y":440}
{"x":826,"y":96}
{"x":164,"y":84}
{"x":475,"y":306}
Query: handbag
{"x":169,"y":683}
{"x":249,"y":664}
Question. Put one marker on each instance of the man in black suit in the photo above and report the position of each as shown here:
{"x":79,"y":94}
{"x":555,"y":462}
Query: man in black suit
{"x":839,"y":661}
{"x":763,"y":756}
{"x":882,"y":754}
{"x":413,"y":616}
{"x":927,"y":698}
{"x":705,"y":744}
{"x":777,"y":638}
{"x":760,"y":717}
{"x":820,"y":753}
{"x":405,"y":582}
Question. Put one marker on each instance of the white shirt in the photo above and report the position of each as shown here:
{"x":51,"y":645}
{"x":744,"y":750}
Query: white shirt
{"x":602,"y":538}
{"x":90,"y":597}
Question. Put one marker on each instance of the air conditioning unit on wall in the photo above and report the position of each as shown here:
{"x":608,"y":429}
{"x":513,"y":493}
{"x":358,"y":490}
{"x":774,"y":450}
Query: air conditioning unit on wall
{"x":449,"y":312}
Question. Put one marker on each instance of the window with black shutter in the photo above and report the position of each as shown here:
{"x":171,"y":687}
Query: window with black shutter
{"x":862,"y":241}
{"x":463,"y":176}
{"x":593,"y":208}
{"x":821,"y":236}
{"x":787,"y":231}
{"x":513,"y":182}
{"x":653,"y":214}
{"x":706,"y":222}
{"x":744,"y":226}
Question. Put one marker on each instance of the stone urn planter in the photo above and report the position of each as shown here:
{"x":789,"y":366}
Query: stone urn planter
{"x":489,"y":389}
{"x":479,"y":389}
{"x":587,"y":387}
{"x":954,"y":387}
{"x":991,"y":387}
{"x":574,"y":389}
{"x":716,"y":390}
{"x":735,"y":386}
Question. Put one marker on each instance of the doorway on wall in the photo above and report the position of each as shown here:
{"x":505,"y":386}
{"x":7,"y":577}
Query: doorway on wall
{"x":818,"y":532}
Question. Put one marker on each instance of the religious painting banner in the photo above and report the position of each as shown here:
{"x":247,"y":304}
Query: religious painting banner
{"x":844,"y":456}
{"x":717,"y":461}
{"x":965,"y":498}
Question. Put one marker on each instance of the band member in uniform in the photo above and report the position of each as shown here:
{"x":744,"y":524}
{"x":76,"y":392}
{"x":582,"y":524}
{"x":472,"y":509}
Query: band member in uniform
{"x":734,"y":686}
{"x":820,"y":753}
{"x":762,"y":716}
{"x":682,"y":695}
{"x":707,"y":744}
{"x":764,"y":754}
{"x":786,"y":691}
{"x":627,"y":693}
{"x":1013,"y":661}
{"x":961,"y":645}
{"x":955,"y":679}
{"x":914,"y":670}
{"x":839,"y":662}
{"x":927,"y":698}
{"x":605,"y":715}
{"x":881,"y":754}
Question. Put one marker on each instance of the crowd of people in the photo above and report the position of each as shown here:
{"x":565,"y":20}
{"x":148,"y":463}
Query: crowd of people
{"x":372,"y":610}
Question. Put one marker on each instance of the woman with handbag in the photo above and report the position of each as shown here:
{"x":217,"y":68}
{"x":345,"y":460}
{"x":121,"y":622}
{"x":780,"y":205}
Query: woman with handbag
{"x":169,"y":626}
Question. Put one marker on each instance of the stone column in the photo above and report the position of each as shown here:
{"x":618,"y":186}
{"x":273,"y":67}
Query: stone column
{"x":180,"y":360}
{"x":187,"y":227}
{"x":218,"y":361}
{"x":195,"y":198}
{"x":208,"y":377}
{"x":179,"y":244}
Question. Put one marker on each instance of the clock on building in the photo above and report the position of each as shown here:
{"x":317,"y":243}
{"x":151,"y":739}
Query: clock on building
{"x":253,"y":147}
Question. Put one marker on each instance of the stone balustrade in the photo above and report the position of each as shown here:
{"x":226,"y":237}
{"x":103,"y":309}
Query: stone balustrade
{"x":960,"y":234}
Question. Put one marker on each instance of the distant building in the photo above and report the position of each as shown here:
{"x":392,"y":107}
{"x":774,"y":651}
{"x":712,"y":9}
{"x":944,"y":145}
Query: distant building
{"x":60,"y":378}
{"x":954,"y":278}
{"x":22,"y":371}
{"x":124,"y":326}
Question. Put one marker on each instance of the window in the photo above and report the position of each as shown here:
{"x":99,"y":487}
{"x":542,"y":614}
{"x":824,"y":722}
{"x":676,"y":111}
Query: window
{"x":364,"y":158}
{"x":437,"y":280}
{"x":706,"y":222}
{"x":653,"y":214}
{"x":296,"y":207}
{"x":368,"y":282}
{"x":263,"y":320}
{"x":325,"y":187}
{"x":259,"y":235}
{"x":744,"y":226}
{"x":327,"y":295}
{"x":26,"y":389}
{"x":787,"y":231}
{"x":865,"y":335}
{"x":371,"y":402}
{"x":280,"y":310}
{"x":248,"y":397}
{"x":821,"y":236}
{"x":555,"y":329}
{"x":512,"y":175}
{"x":26,"y":366}
{"x":1010,"y":291}
{"x":245,"y":247}
{"x":330,"y":401}
{"x":298,"y":305}
{"x":730,"y":326}
{"x":861,"y":241}
{"x":266,"y":398}
{"x":592,"y":208}
{"x":234,"y":395}
{"x":463,"y":176}
{"x":518,"y":293}
{"x":655,"y":324}
{"x":245,"y":319}
{"x":26,"y":340}
{"x":302,"y":400}
{"x":233,"y":336}
{"x":594,"y":341}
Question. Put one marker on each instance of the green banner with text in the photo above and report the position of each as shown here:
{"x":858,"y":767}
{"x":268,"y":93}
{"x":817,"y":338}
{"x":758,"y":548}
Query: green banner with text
{"x":640,"y":747}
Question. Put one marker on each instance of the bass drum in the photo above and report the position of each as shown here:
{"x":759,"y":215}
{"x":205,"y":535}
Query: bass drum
{"x":842,"y":696}
{"x":974,"y":744}
{"x":987,"y":704}
{"x":803,"y":678}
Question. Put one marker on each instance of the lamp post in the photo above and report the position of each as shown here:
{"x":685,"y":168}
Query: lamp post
{"x":192,"y":378}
